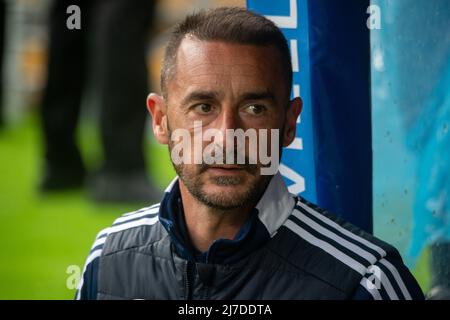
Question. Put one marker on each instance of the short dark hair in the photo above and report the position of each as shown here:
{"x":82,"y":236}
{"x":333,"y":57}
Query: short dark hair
{"x":228,"y":24}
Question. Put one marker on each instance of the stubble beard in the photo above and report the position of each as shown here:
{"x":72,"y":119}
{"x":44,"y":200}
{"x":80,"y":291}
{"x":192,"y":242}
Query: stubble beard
{"x":192,"y":179}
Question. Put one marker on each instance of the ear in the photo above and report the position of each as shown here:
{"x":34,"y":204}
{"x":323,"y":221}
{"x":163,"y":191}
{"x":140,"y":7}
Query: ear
{"x":295,"y":108}
{"x":155,"y":106}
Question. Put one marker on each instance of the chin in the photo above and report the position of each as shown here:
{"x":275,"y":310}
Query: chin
{"x":227,"y":196}
{"x":225,"y":190}
{"x":222,"y":200}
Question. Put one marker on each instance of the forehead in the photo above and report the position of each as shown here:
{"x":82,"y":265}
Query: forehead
{"x":241,"y":66}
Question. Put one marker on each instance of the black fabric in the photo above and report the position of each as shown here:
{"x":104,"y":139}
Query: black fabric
{"x":122,"y":30}
{"x":250,"y":237}
{"x":66,"y":76}
{"x":118,"y":30}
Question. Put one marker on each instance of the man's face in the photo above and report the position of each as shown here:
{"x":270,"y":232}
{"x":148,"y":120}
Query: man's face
{"x":218,"y":85}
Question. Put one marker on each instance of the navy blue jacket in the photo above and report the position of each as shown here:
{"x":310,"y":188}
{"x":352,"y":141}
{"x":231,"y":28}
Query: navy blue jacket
{"x":288,"y":249}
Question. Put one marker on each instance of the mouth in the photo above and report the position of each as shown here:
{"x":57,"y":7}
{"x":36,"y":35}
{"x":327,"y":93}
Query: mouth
{"x":226,"y":169}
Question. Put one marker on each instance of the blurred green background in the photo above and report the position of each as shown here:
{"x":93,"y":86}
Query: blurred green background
{"x":42,"y":234}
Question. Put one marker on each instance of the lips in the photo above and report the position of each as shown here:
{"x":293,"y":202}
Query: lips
{"x":226,"y":170}
{"x":228,"y":167}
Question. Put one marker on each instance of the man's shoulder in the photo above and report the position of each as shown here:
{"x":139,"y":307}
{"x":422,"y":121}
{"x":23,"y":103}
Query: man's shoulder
{"x":133,"y":229}
{"x":342,"y":254}
{"x":130,"y":230}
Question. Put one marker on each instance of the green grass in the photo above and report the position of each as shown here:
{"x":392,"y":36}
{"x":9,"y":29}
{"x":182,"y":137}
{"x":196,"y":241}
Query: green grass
{"x":41,"y":235}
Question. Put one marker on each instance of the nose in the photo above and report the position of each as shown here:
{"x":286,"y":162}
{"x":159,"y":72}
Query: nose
{"x":228,"y":121}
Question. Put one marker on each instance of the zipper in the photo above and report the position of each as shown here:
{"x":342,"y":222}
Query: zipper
{"x":189,"y":274}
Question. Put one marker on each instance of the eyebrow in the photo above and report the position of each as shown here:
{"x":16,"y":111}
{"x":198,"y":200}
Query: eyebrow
{"x":258,"y":95}
{"x":199,"y":95}
{"x":212,"y":95}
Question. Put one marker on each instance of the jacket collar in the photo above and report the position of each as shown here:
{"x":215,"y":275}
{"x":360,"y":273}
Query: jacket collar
{"x":275,"y":205}
{"x":270,"y":213}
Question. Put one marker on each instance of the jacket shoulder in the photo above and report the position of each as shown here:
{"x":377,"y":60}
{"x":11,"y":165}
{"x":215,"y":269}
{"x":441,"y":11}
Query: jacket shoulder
{"x":134,"y":229}
{"x":344,"y":255}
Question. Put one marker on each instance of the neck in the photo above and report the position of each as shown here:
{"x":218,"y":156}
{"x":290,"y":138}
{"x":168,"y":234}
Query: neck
{"x":206,"y":224}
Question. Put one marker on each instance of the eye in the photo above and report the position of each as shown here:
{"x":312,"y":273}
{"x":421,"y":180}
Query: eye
{"x":202,"y":108}
{"x":255,"y":109}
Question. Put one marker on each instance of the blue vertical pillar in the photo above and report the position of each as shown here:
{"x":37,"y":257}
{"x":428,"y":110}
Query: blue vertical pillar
{"x":330,"y":161}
